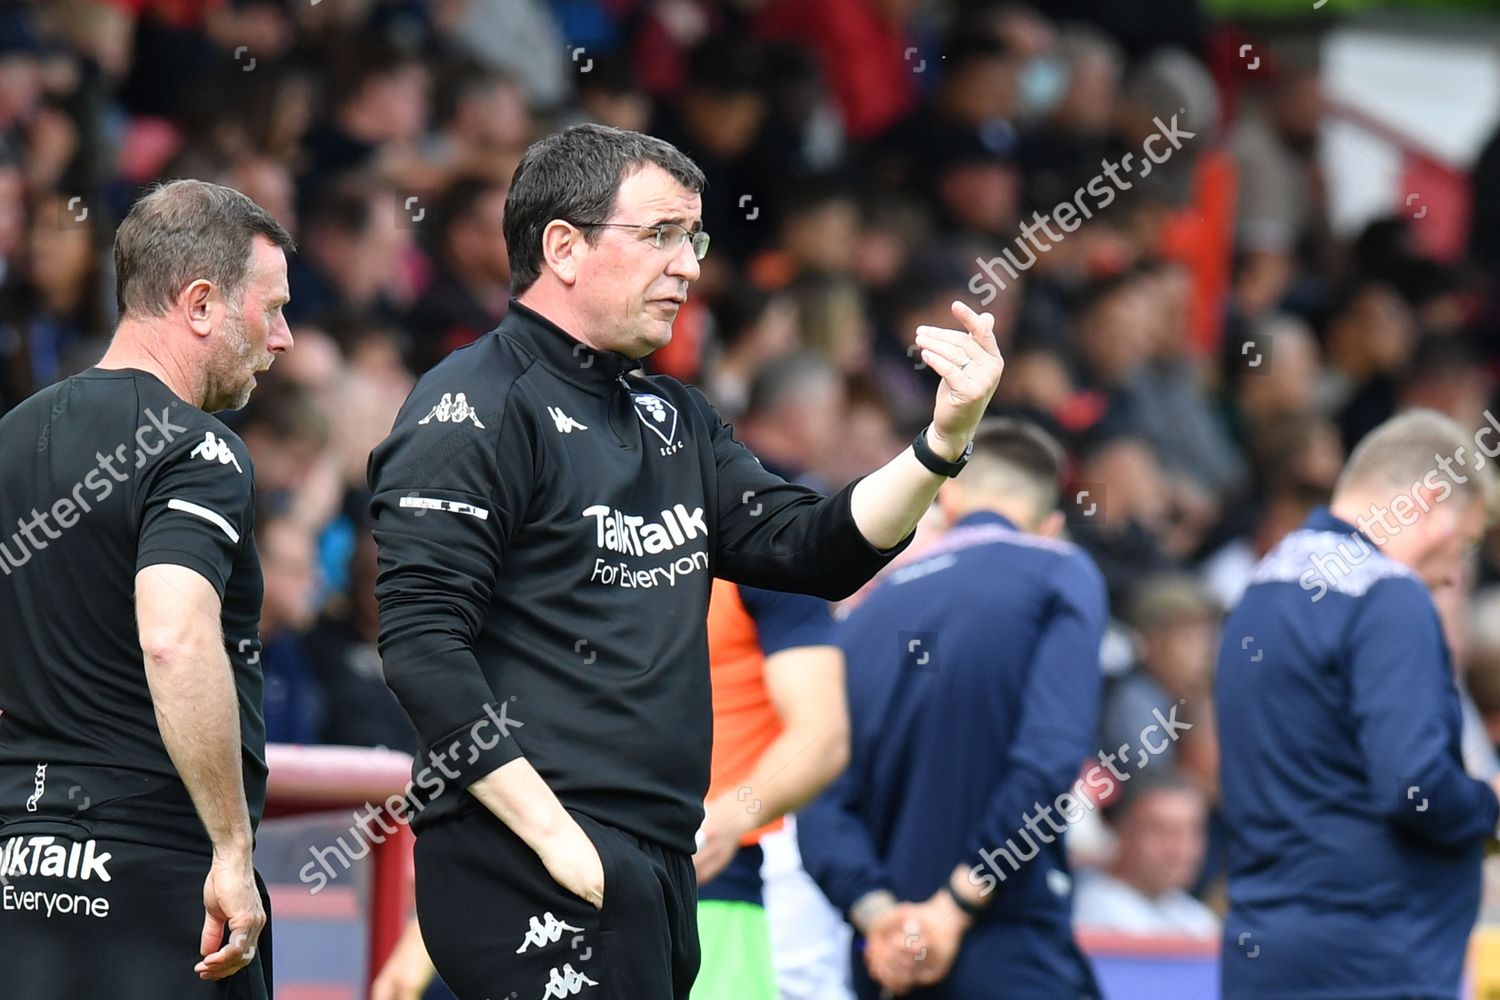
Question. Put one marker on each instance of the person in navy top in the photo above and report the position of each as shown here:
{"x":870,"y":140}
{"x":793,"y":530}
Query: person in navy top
{"x":1355,"y":834}
{"x":974,"y":689}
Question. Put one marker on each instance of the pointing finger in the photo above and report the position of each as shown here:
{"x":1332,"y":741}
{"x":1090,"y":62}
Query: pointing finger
{"x":981,"y":326}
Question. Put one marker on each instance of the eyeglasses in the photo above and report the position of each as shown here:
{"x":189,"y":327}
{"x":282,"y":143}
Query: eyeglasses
{"x":662,"y":236}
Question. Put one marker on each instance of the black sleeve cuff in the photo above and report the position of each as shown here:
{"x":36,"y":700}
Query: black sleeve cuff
{"x":474,"y":749}
{"x":851,"y":559}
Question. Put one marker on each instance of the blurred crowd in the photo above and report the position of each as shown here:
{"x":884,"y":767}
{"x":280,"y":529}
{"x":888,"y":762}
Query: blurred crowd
{"x":1204,"y":344}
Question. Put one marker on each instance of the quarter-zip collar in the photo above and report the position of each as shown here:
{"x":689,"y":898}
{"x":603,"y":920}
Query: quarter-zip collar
{"x":597,"y":372}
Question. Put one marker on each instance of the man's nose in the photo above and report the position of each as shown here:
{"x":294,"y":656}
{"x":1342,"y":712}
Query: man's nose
{"x":280,"y":340}
{"x":684,"y":263}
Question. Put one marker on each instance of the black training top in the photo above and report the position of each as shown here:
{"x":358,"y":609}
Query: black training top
{"x":549,"y":523}
{"x":102,"y":475}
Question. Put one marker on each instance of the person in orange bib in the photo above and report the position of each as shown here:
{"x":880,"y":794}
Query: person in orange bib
{"x":781,"y":734}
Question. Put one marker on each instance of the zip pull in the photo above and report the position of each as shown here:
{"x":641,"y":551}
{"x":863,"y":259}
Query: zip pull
{"x":624,"y":415}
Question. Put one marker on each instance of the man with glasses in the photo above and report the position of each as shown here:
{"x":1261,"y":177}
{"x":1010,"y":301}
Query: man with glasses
{"x":545,"y":572}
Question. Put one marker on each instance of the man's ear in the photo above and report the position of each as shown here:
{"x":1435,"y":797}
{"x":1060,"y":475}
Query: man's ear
{"x":199,"y":304}
{"x":561,"y":244}
{"x":1052,"y":525}
{"x":950,"y":497}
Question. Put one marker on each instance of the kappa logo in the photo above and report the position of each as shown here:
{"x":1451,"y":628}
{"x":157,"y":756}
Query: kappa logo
{"x":566,"y":982}
{"x":216,"y":449}
{"x":545,"y":930}
{"x":660,"y":416}
{"x":453,"y":408}
{"x":565,"y":424}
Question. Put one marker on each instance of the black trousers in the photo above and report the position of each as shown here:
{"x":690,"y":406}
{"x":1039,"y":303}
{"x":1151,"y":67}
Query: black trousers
{"x":498,"y":926}
{"x":86,"y":917}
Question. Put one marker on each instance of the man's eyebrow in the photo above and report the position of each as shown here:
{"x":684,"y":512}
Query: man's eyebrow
{"x":678,"y":220}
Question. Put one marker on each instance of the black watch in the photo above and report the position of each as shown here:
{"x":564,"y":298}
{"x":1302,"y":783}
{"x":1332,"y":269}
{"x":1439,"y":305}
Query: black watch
{"x":930,"y":458}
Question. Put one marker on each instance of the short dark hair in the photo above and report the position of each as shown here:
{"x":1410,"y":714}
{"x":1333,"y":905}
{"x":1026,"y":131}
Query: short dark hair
{"x":575,"y":175}
{"x":1161,"y":778}
{"x":1024,"y":448}
{"x":183,"y":231}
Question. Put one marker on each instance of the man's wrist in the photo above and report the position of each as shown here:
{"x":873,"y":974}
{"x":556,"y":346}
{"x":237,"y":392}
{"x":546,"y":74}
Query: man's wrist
{"x":235,"y":850}
{"x":869,"y":907}
{"x":944,"y":448}
{"x":964,"y":909}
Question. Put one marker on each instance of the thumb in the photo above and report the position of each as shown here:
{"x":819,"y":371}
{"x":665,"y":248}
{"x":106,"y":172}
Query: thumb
{"x":213,"y":934}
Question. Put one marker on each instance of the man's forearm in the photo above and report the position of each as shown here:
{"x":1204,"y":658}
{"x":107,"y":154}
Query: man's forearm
{"x":197,"y":712}
{"x":888,"y":503}
{"x":520,"y":799}
{"x":791,"y":773}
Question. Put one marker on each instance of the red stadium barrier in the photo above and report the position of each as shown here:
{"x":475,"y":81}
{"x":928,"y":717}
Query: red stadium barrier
{"x":312,"y":780}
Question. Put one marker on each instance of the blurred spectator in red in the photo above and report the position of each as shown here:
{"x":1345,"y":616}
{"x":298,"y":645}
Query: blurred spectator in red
{"x":470,"y":286}
{"x":864,"y":51}
{"x":1160,"y":821}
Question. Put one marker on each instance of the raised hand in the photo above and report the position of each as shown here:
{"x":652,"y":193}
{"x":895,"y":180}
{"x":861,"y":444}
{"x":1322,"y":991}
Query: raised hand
{"x":969,"y":362}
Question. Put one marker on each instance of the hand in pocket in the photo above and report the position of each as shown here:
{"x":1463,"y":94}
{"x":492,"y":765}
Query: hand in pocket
{"x":574,"y":863}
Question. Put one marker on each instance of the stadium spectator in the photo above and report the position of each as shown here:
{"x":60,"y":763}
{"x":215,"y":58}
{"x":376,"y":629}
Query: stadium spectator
{"x":1161,"y":822}
{"x":1371,"y":337}
{"x":1350,"y":816}
{"x":974,"y":698}
{"x":718,"y":121}
{"x":294,"y":703}
{"x":792,"y":422}
{"x":286,"y":434}
{"x":1296,"y":459}
{"x":378,"y":110}
{"x":56,"y":315}
{"x":1176,"y":622}
{"x":470,"y":286}
{"x":751,"y":329}
{"x":1123,"y":511}
{"x":354,"y":237}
